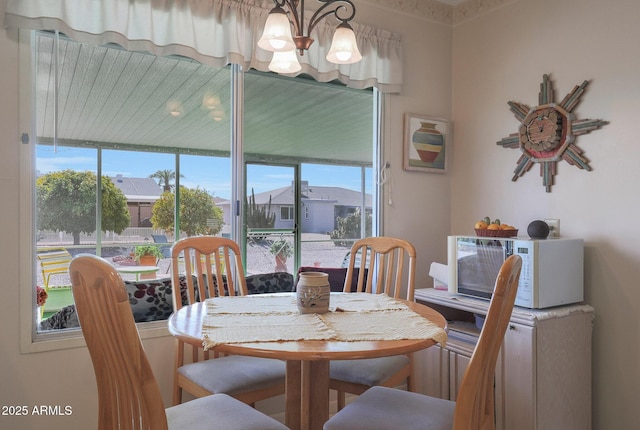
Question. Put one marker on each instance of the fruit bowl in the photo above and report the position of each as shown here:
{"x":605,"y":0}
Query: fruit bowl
{"x":496,"y":233}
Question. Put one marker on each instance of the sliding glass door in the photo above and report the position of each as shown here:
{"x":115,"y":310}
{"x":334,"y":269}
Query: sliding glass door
{"x":308,"y":151}
{"x":271,"y":213}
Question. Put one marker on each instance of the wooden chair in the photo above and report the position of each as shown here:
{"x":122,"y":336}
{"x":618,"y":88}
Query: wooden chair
{"x":128,"y":394}
{"x":213,"y":267}
{"x":382,"y":262}
{"x":387,"y":408}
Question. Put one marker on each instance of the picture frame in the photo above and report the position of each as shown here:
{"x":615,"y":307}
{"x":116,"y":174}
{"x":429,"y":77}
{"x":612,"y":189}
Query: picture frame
{"x":425,"y":143}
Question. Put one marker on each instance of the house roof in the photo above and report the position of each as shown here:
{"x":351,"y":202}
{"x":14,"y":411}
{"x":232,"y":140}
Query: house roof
{"x":341,"y":196}
{"x":138,"y":189}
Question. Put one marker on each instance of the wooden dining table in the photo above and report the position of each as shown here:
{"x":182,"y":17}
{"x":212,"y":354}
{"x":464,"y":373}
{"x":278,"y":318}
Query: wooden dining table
{"x":307,"y":361}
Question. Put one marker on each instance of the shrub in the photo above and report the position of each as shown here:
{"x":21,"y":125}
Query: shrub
{"x":349,"y":228}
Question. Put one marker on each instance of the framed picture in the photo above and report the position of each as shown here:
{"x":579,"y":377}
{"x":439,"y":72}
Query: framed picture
{"x":425,"y":143}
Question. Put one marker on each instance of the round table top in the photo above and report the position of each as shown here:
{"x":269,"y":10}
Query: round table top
{"x":137,"y":269}
{"x":186,"y":325}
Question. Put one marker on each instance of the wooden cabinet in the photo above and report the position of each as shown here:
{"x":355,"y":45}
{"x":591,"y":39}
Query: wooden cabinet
{"x":543,"y":374}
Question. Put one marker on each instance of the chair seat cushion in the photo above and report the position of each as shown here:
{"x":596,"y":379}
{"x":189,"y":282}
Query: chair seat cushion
{"x":235,"y":374}
{"x":382,"y":408}
{"x":221,"y":412}
{"x":368,"y":371}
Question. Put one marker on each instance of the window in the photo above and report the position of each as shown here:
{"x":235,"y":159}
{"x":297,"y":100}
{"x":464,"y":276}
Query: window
{"x":134,"y":130}
{"x":286,"y":213}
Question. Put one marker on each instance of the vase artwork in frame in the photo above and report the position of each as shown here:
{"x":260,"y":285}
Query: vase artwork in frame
{"x":425,"y":143}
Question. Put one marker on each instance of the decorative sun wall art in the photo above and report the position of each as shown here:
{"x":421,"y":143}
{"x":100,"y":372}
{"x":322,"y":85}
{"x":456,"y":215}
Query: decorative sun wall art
{"x":548,"y":131}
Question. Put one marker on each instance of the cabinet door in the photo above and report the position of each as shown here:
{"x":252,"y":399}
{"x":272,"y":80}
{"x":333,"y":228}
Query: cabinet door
{"x":457,"y":366}
{"x":515,"y":379}
{"x":460,"y":348}
{"x":431,"y":372}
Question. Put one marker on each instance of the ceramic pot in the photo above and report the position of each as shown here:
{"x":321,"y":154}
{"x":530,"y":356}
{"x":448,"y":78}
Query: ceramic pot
{"x":313,"y":292}
{"x":147,"y":260}
{"x":427,"y":141}
{"x":281,"y":263}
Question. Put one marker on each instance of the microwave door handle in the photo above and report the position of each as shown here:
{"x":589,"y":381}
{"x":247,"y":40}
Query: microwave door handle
{"x":508,"y":249}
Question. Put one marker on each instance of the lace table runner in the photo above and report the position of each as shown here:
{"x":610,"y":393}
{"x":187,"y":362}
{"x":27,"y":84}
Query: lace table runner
{"x":384,"y":325}
{"x":253,"y":304}
{"x":240,"y":328}
{"x":286,"y":303}
{"x":352,"y":317}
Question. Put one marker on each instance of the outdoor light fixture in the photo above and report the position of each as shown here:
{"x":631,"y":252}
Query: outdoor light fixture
{"x":175,"y":108}
{"x":277,"y":36}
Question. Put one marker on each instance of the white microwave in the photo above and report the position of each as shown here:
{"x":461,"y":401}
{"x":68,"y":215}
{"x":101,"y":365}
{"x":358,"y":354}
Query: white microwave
{"x":552,"y":269}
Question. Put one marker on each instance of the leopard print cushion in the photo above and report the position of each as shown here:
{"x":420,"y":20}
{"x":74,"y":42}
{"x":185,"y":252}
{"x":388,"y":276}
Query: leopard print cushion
{"x":276,"y":282}
{"x":150,"y":301}
{"x":153,"y":300}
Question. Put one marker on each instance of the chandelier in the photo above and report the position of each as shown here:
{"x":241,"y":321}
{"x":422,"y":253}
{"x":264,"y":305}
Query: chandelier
{"x":277,"y":36}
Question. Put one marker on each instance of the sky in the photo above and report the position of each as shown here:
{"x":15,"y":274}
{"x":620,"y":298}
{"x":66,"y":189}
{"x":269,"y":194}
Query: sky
{"x":210,"y":173}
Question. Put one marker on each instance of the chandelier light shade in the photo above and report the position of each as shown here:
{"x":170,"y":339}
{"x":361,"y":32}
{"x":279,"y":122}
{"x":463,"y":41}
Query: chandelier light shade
{"x":285,"y":62}
{"x":344,"y":49}
{"x":284,"y":32}
{"x":276,"y":36}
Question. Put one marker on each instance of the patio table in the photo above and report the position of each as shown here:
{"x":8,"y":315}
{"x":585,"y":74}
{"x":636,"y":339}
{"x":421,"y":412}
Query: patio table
{"x":137,"y":270}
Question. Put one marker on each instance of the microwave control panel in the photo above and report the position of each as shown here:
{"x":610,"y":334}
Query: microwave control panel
{"x":525,"y":251}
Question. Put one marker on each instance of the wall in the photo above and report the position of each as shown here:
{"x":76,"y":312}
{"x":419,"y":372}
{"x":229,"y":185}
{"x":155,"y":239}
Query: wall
{"x":501,"y":56}
{"x":420,"y":203}
{"x":416,"y":205}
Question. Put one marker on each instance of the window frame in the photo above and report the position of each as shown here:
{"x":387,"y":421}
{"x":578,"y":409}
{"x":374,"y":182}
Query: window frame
{"x":30,"y":339}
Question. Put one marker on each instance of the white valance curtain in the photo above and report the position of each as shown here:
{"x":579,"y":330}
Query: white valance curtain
{"x":213,"y":32}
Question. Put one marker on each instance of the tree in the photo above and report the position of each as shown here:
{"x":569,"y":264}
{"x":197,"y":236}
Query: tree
{"x":66,"y":201}
{"x":198,"y":212}
{"x":164,"y":178}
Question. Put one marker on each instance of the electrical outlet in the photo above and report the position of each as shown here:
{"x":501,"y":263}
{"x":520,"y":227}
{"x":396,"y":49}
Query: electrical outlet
{"x":554,"y":227}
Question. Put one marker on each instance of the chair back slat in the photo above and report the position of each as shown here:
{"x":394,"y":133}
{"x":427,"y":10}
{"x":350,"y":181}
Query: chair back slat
{"x":475,"y":401}
{"x":128,"y":395}
{"x":212,"y":265}
{"x":387,"y":265}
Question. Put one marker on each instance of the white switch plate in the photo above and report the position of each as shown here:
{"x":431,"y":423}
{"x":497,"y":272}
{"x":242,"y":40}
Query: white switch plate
{"x":554,"y":227}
